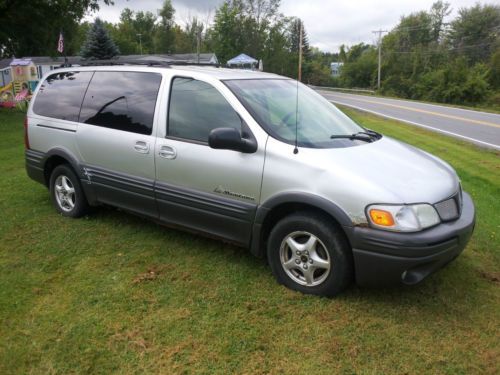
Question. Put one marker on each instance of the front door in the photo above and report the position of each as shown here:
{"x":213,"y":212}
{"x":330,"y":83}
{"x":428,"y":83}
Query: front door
{"x":213,"y":191}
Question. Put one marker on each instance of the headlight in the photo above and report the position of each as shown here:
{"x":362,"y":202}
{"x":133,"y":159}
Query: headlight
{"x":403,"y":218}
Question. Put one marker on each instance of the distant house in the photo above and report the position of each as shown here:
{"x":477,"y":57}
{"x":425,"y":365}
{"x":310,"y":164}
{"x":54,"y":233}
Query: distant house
{"x":335,"y":68}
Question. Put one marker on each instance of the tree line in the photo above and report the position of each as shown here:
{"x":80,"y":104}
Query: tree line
{"x":254,"y":27}
{"x":426,"y":57}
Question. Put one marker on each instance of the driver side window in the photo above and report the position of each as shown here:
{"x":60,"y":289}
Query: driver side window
{"x":196,"y":108}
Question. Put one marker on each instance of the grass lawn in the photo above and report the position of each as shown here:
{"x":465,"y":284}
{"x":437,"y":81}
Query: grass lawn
{"x":112,"y":293}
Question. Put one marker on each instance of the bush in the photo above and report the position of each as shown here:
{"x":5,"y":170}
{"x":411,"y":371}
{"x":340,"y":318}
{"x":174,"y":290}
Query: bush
{"x":456,"y":84}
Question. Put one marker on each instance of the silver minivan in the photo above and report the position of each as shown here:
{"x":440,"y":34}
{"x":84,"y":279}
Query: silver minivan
{"x":252,"y":158}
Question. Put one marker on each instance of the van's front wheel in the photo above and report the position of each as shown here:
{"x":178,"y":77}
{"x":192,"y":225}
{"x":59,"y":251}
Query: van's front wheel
{"x":310,"y":254}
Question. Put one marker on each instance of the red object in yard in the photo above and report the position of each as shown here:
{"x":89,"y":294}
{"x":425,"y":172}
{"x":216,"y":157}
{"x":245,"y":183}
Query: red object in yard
{"x":7,"y":104}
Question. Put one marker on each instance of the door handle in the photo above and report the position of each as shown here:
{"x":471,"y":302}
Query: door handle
{"x":142,"y":147}
{"x":167,"y":152}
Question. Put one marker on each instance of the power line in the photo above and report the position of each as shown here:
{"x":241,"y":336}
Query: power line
{"x":430,"y":52}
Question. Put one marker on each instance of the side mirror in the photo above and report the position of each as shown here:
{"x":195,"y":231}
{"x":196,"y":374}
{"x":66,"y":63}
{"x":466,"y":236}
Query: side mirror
{"x":231,"y":139}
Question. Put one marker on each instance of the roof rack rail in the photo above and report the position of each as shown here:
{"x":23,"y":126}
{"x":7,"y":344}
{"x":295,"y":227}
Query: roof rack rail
{"x":162,"y":63}
{"x":125,"y":62}
{"x":194,"y":63}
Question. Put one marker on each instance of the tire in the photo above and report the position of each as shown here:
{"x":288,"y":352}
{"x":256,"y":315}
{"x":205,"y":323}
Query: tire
{"x":307,"y":252}
{"x":66,"y":192}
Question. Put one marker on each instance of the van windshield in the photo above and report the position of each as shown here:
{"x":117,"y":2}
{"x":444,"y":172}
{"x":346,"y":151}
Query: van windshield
{"x":278,"y":107}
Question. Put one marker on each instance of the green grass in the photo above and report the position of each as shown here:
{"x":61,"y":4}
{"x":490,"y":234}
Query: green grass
{"x":112,"y":293}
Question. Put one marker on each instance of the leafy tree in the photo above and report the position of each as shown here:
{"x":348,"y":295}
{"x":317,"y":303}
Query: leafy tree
{"x":474,"y":32}
{"x":124,"y":33}
{"x":226,"y":32}
{"x":276,"y":55}
{"x":166,"y":36}
{"x":494,"y":75}
{"x":193,"y":31}
{"x":294,"y":35}
{"x":31,"y":28}
{"x":360,"y":67}
{"x":342,"y":54}
{"x":99,"y":45}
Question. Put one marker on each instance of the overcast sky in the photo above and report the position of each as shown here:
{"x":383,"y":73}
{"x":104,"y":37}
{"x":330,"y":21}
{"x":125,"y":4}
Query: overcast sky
{"x":329,"y":23}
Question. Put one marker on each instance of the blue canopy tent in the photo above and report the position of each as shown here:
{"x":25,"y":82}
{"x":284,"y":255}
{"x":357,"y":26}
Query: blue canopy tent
{"x":243,"y":61}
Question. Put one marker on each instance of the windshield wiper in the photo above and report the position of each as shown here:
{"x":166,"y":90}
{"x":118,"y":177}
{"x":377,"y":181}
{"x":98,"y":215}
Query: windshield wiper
{"x":367,"y":136}
{"x":371,"y":133}
{"x":361,"y":136}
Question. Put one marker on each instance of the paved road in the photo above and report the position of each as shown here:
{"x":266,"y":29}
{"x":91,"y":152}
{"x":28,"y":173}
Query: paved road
{"x":480,"y":128}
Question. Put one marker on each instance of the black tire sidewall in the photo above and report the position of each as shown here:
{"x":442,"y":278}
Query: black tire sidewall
{"x":333,"y":238}
{"x":81,"y":205}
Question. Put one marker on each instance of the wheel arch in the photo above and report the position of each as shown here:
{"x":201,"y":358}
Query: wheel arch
{"x":58,"y":156}
{"x":277,"y":207}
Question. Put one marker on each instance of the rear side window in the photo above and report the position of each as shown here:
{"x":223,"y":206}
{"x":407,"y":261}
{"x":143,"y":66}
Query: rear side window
{"x":122,"y":100}
{"x":196,"y":108}
{"x":60,"y":95}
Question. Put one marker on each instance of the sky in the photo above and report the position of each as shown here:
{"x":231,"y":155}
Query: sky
{"x":329,"y":23}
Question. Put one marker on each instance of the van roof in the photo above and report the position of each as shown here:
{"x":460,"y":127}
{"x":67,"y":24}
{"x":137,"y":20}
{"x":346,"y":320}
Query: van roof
{"x":218,"y":73}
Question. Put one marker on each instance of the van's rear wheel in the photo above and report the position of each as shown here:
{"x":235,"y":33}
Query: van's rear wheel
{"x":308,"y":253}
{"x":66,"y":192}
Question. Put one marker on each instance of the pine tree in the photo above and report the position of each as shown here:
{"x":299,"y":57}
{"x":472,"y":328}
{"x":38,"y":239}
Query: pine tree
{"x":98,"y":45}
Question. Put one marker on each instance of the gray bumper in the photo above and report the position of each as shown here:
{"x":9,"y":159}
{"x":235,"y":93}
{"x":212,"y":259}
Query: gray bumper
{"x":34,"y":165}
{"x":384,"y":258}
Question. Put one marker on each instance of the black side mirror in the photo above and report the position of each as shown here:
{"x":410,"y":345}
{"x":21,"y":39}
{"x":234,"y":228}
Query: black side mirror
{"x":231,"y":139}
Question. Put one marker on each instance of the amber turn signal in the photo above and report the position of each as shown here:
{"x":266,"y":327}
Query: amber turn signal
{"x":381,"y":217}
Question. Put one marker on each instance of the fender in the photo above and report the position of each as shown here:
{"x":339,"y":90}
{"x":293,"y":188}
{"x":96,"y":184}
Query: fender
{"x":66,"y":154}
{"x":77,"y":167}
{"x":293,"y":197}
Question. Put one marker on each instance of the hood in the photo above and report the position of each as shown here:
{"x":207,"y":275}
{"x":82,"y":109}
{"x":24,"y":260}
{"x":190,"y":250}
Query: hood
{"x":387,"y":171}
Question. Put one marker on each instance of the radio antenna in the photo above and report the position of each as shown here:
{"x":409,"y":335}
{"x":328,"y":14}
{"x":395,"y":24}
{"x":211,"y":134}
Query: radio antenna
{"x":299,"y":78}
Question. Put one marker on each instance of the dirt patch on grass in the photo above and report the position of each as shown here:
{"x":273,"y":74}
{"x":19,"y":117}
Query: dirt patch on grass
{"x":132,"y":338}
{"x":493,"y":277}
{"x":154,"y":272}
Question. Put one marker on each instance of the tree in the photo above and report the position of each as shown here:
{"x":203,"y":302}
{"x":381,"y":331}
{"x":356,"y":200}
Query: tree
{"x":226,"y":32}
{"x":165,"y":35}
{"x":31,"y":28}
{"x":494,"y":76}
{"x":245,"y":26}
{"x":99,"y":45}
{"x":474,"y":32}
{"x":135,"y":33}
{"x":360,"y":66}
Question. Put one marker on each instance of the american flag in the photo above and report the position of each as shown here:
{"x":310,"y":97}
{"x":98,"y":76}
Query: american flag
{"x":60,"y":43}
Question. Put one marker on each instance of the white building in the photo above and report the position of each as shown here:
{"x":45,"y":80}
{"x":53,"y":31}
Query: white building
{"x":336,"y":67}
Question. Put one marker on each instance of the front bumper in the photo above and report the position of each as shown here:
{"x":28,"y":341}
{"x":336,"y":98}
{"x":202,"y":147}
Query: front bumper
{"x":384,"y":258}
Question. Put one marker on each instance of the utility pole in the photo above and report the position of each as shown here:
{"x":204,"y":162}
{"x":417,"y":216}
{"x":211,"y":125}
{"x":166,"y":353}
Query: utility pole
{"x":140,"y":42}
{"x":198,"y":42}
{"x":300,"y":51}
{"x":379,"y":32}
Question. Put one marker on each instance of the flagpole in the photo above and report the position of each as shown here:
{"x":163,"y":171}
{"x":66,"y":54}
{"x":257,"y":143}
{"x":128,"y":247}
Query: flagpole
{"x":60,"y":48}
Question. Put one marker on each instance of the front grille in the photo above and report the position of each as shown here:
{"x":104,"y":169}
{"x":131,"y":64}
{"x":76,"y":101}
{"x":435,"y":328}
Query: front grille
{"x":450,"y":208}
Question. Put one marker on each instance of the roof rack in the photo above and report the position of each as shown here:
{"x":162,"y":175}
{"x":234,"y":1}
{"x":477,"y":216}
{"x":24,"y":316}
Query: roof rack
{"x":162,"y":63}
{"x":125,"y":62}
{"x":183,"y":63}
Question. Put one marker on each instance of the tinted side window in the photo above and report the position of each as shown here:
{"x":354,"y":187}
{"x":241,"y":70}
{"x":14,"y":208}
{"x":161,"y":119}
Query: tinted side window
{"x":122,"y":100}
{"x":196,"y":108}
{"x":60,"y":95}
